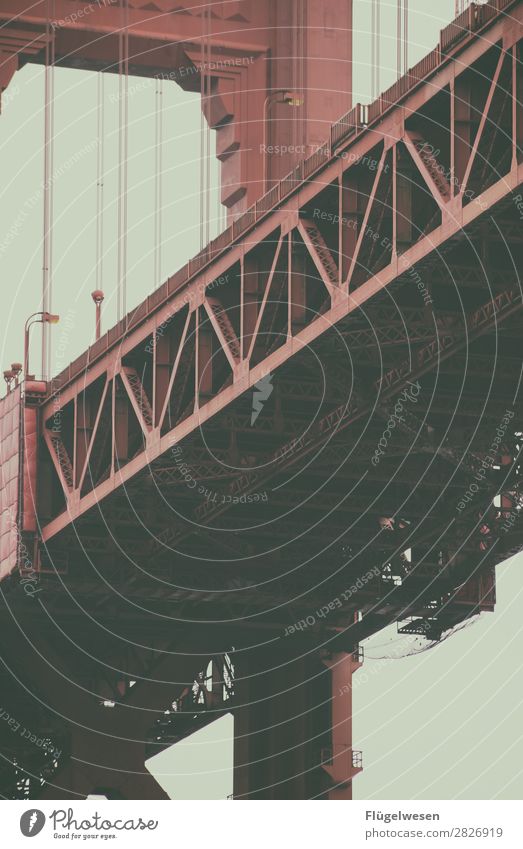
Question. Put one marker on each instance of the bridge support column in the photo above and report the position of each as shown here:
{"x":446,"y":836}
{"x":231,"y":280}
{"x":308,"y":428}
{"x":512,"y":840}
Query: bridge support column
{"x":405,"y":228}
{"x":83,"y":431}
{"x":465,"y":124}
{"x":298,"y":316}
{"x":293,"y":727}
{"x":204,"y":359}
{"x":349,"y":221}
{"x":120,"y":426}
{"x":342,"y":762}
{"x":162,"y":372}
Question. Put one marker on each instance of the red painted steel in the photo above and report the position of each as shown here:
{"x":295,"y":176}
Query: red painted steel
{"x":344,"y":253}
{"x":10,"y":444}
{"x":249,"y":46}
{"x":294,"y":193}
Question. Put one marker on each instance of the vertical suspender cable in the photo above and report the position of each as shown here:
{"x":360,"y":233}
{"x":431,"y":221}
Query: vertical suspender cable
{"x":406,"y":37}
{"x":126,"y":156}
{"x":398,"y":38}
{"x":302,"y":82}
{"x":100,"y":182}
{"x":47,"y":252}
{"x":125,"y":153}
{"x":158,"y":147}
{"x":119,"y":205}
{"x":296,"y":117}
{"x":123,"y":127}
{"x":219,"y":207}
{"x":202,"y":132}
{"x":295,"y":48}
{"x":378,"y":47}
{"x":208,"y":124}
{"x":375,"y":49}
{"x":402,"y":36}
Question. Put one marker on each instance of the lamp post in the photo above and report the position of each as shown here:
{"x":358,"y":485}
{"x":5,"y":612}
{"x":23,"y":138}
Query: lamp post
{"x":16,"y":369}
{"x":285,"y":96}
{"x":8,"y":377}
{"x":11,"y":375}
{"x":98,"y":297}
{"x":35,"y":318}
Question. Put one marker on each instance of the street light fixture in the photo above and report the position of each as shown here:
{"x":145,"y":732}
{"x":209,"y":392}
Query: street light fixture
{"x":8,"y":377}
{"x":16,"y":368}
{"x":98,"y":297}
{"x":35,"y":318}
{"x":292,"y":99}
{"x":281,"y":95}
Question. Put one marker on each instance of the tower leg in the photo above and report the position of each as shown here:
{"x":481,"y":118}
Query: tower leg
{"x":342,"y":762}
{"x":293,"y":727}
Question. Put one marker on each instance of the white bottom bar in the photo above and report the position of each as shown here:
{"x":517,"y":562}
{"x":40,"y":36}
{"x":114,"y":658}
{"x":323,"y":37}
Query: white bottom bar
{"x":262,"y":824}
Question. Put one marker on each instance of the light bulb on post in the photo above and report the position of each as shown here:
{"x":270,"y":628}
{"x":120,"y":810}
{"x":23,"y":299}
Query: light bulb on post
{"x":35,"y":318}
{"x":282,"y":95}
{"x":98,"y":297}
{"x":8,"y":377}
{"x":16,"y":368}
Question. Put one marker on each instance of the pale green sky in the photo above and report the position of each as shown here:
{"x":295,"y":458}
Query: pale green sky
{"x":444,"y":724}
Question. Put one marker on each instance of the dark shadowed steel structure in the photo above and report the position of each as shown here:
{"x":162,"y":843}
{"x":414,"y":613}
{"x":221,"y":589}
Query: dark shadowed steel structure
{"x":308,"y":432}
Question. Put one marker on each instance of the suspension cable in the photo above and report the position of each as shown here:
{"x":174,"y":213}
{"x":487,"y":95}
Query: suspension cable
{"x":398,"y":36}
{"x":405,"y":36}
{"x":100,"y":176}
{"x":221,"y":216}
{"x":402,"y":37}
{"x":295,"y":48}
{"x":123,"y":150}
{"x":202,"y":132}
{"x":47,"y":252}
{"x":376,"y":48}
{"x":302,"y":82}
{"x":208,"y":123}
{"x":158,"y":183}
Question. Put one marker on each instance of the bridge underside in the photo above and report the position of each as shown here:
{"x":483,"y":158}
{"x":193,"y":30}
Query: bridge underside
{"x":380,"y":437}
{"x":238,"y":520}
{"x":311,"y":432}
{"x":380,"y":521}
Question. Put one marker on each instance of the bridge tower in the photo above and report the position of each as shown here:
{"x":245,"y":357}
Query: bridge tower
{"x":252,"y":53}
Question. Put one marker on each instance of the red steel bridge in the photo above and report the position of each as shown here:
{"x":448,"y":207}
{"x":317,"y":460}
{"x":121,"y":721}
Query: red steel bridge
{"x":310,"y":431}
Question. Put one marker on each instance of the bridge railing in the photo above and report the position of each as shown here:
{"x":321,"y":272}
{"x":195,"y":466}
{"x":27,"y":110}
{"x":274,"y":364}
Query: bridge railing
{"x":317,"y":159}
{"x":353,"y":122}
{"x":347,"y":125}
{"x":458,"y":28}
